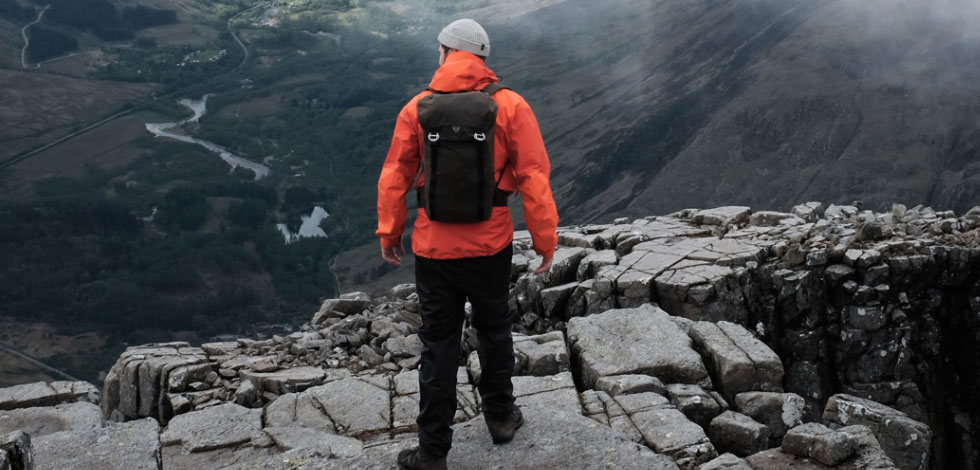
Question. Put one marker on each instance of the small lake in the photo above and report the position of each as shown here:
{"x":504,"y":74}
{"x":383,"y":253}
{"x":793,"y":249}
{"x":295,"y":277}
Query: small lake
{"x":310,"y":227}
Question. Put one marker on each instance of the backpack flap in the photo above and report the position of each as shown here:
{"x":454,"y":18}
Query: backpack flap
{"x":458,"y":156}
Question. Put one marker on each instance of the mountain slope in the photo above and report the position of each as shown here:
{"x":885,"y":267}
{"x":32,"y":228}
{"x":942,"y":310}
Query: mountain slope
{"x":649,"y":107}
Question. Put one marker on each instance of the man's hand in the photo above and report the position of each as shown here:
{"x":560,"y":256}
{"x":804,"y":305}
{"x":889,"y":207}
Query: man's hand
{"x":393,"y":255}
{"x":545,"y":266}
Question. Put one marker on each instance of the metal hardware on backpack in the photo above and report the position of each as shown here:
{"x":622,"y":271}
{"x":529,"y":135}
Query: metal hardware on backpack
{"x":458,"y":155}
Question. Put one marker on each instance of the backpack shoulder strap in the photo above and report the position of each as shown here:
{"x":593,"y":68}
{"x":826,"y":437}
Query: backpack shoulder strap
{"x":493,"y":88}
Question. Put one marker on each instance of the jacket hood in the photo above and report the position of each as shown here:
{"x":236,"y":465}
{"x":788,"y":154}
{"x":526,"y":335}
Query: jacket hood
{"x":462,"y":71}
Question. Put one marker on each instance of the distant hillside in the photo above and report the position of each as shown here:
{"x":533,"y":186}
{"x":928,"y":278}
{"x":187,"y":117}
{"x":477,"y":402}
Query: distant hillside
{"x":650,"y":107}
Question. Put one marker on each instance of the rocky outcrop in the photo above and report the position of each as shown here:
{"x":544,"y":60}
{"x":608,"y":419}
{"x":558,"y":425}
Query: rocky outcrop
{"x":667,"y":339}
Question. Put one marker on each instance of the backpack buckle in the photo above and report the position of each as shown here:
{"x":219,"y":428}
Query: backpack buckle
{"x":433,"y":137}
{"x":479,"y":137}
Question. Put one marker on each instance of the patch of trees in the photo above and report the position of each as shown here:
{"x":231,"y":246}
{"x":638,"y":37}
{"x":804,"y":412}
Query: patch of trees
{"x":101,"y":18}
{"x":14,"y":12}
{"x":48,"y":43}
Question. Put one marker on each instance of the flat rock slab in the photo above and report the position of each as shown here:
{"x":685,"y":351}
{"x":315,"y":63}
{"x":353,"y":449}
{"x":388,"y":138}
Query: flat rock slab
{"x":324,"y":444}
{"x":905,"y":440}
{"x":47,"y":394}
{"x":134,"y":445}
{"x":668,"y":431}
{"x":869,"y":456}
{"x":296,"y":379}
{"x":51,"y":419}
{"x":557,"y":391}
{"x":544,"y":442}
{"x":217,"y":427}
{"x":357,"y":405}
{"x":739,"y":362}
{"x":641,"y":340}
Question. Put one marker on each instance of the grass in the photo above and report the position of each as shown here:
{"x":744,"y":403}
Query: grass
{"x":105,"y":146}
{"x":33,"y":103}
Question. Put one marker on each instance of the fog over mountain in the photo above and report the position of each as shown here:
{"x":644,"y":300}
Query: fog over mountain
{"x":650,"y":107}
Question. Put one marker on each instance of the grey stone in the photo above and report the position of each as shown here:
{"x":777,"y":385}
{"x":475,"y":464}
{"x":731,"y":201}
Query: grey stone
{"x":285,"y":381}
{"x":246,"y":394}
{"x":905,"y":440}
{"x":630,"y":383}
{"x":544,"y":442}
{"x":544,"y":354}
{"x":669,"y":432}
{"x":134,"y":445}
{"x":404,"y":346}
{"x":723,"y":216}
{"x":818,"y":442}
{"x":339,"y":308}
{"x":739,"y":434}
{"x":357,"y":406}
{"x":297,"y":410}
{"x":564,"y":266}
{"x":83,"y":416}
{"x":779,"y":411}
{"x":696,"y":403}
{"x":866,"y":317}
{"x":325,"y":444}
{"x":738,"y":361}
{"x":590,"y":265}
{"x":554,"y":299}
{"x":402,"y":291}
{"x":726,"y":462}
{"x":16,"y":451}
{"x":634,"y":341}
{"x":135,"y":385}
{"x":769,"y":218}
{"x":557,"y":391}
{"x":44,"y":394}
{"x":217,"y":427}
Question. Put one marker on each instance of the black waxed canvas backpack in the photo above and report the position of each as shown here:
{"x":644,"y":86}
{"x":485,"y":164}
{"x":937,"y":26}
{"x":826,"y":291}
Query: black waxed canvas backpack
{"x":458,"y":155}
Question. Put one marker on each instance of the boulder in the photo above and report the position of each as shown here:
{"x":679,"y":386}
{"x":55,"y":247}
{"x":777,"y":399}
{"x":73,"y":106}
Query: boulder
{"x":542,"y":355}
{"x":906,"y":441}
{"x":819,"y":443}
{"x":723,"y":216}
{"x":634,"y":341}
{"x":284,"y":381}
{"x":726,"y":462}
{"x":668,"y":431}
{"x":696,"y":403}
{"x":739,"y":434}
{"x":136,"y":386}
{"x":738,"y":361}
{"x":779,"y":411}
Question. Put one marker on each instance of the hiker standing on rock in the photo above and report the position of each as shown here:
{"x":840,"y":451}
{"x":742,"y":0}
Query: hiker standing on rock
{"x":476,"y":143}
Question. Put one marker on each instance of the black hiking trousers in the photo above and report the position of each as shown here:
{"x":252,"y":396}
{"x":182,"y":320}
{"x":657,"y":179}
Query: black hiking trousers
{"x":443,"y":287}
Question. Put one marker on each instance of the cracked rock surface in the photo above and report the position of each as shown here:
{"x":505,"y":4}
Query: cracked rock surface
{"x":825,"y":337}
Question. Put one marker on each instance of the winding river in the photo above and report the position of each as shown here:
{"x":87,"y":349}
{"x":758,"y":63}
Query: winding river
{"x":200,"y":107}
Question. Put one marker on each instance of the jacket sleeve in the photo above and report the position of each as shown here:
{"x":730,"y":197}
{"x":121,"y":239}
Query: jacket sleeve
{"x":533,"y":170}
{"x":397,"y":175}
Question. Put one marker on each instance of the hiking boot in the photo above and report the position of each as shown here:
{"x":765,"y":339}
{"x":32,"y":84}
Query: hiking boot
{"x":418,"y":459}
{"x":502,"y":429}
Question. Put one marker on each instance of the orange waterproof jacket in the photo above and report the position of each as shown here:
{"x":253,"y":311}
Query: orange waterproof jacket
{"x":518,"y":152}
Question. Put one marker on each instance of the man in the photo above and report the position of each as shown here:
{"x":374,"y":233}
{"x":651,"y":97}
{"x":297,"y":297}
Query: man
{"x":456,"y":262}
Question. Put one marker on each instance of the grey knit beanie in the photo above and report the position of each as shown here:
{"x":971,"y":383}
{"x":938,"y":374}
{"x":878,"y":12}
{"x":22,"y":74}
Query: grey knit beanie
{"x":466,"y":35}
